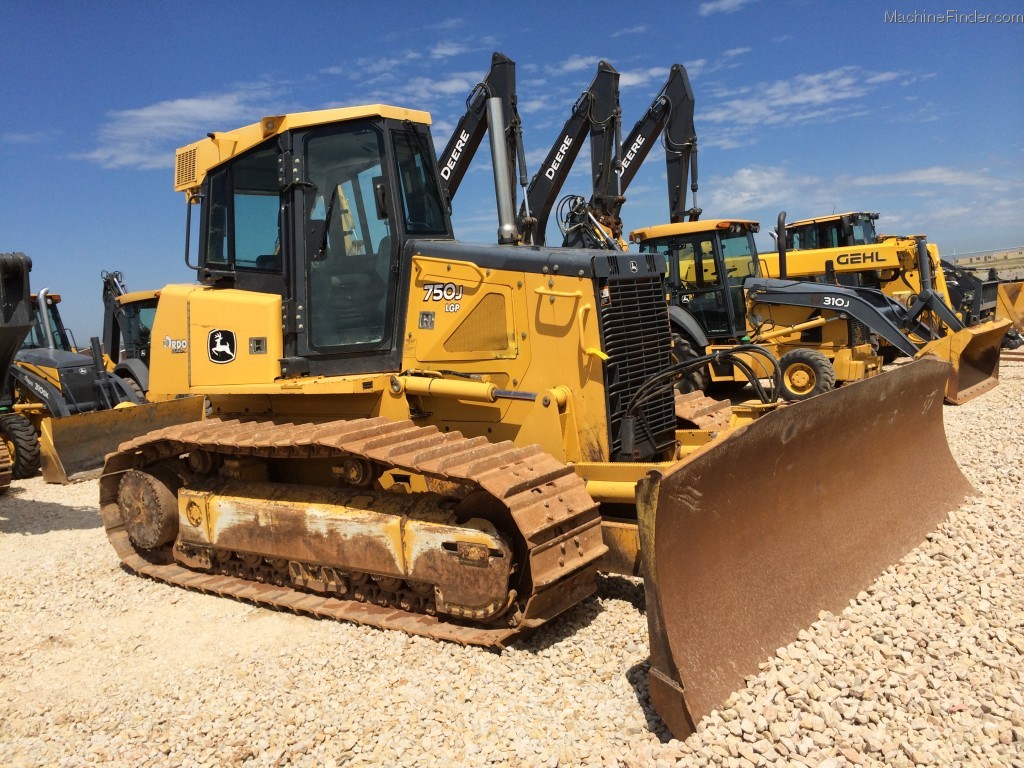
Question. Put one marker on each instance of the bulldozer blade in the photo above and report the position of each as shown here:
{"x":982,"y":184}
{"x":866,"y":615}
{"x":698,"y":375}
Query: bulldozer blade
{"x":73,"y":447}
{"x":974,"y":355}
{"x":746,"y":540}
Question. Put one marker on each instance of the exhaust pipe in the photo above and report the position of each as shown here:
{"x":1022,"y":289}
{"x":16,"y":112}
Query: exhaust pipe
{"x":44,"y":318}
{"x":780,"y":235}
{"x":507,"y":232}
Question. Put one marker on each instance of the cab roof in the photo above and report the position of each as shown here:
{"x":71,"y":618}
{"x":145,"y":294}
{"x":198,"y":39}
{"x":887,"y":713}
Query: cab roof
{"x":192,"y":162}
{"x":830,"y":217}
{"x":688,"y":228}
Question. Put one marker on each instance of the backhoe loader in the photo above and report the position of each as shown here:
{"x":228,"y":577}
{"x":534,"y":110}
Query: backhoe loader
{"x":845,"y":249}
{"x":444,"y":438}
{"x":15,"y":320}
{"x":76,"y":409}
{"x":127,"y":328}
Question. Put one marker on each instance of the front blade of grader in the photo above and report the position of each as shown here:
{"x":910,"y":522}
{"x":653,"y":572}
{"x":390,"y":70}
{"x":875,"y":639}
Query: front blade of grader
{"x":748,"y":539}
{"x":974,"y":355}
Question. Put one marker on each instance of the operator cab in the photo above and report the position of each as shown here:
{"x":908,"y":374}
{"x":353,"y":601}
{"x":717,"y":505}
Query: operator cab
{"x":708,"y":262}
{"x":317,"y":211}
{"x":838,"y":231}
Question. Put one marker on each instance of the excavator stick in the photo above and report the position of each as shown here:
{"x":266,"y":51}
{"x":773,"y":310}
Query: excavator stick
{"x":734,"y":567}
{"x":974,"y":354}
{"x":73,"y":447}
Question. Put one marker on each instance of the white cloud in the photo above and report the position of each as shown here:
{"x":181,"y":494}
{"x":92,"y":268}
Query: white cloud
{"x":637,"y":30}
{"x":444,"y":50}
{"x":146,"y":137}
{"x":576,"y":63}
{"x":641,"y":76}
{"x":721,"y":6}
{"x":733,"y":52}
{"x":936,"y":175}
{"x":754,"y":187}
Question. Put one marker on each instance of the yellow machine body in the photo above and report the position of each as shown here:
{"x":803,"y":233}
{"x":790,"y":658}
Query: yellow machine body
{"x":463,"y":473}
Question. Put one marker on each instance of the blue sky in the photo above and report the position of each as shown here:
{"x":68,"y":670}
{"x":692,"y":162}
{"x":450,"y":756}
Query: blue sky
{"x":801,"y":105}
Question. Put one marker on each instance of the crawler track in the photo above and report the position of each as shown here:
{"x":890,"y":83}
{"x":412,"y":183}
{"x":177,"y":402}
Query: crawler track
{"x":557,"y":522}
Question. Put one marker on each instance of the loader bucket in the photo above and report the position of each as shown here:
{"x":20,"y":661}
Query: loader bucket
{"x":746,"y":540}
{"x":974,"y":355}
{"x":1010,"y":304}
{"x":73,"y":447}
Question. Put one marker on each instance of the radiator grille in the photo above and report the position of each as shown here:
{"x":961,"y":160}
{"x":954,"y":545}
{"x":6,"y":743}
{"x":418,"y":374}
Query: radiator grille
{"x":635,"y":332}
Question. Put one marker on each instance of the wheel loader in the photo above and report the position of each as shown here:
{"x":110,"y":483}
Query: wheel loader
{"x":15,"y":320}
{"x":68,"y":411}
{"x":443,"y":438}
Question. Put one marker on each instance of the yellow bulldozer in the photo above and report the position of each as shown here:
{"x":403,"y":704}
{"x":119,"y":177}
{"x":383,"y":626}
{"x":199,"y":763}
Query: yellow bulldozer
{"x":450,"y":439}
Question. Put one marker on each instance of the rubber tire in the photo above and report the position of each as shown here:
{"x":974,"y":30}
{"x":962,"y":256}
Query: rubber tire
{"x":683,"y":350}
{"x":23,"y":442}
{"x":812,"y":368}
{"x":133,"y":385}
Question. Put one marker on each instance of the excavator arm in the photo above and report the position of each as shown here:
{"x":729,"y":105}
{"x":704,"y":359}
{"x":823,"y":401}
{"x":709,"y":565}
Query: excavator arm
{"x":454,"y":161}
{"x":670,"y":115}
{"x":596,"y":110}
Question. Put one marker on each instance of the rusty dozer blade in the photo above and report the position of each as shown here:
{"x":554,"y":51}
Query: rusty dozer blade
{"x":974,"y":354}
{"x":73,"y":447}
{"x":749,"y":538}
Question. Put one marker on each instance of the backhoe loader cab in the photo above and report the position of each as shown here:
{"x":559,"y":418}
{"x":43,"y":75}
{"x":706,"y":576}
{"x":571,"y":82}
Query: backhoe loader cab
{"x":708,"y":262}
{"x":836,"y":231}
{"x":127,"y":331}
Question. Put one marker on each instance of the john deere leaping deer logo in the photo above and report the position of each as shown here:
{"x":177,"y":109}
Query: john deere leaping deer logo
{"x":220,"y":346}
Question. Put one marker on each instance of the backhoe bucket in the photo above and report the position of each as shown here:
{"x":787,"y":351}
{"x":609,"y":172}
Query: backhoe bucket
{"x":974,"y":355}
{"x":746,"y":540}
{"x":73,"y":447}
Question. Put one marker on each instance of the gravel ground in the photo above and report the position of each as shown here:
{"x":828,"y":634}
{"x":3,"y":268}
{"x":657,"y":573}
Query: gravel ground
{"x":98,"y":666}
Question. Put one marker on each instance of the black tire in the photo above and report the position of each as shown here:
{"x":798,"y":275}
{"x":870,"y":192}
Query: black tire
{"x":806,"y":373}
{"x":22,"y":443}
{"x":683,"y":351}
{"x":133,"y":385}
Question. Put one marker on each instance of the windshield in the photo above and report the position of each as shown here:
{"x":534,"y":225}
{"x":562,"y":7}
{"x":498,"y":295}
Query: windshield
{"x":863,"y":230}
{"x":36,"y":338}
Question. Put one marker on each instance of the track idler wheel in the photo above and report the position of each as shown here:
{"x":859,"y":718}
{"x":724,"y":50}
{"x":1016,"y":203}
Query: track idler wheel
{"x":149,"y":509}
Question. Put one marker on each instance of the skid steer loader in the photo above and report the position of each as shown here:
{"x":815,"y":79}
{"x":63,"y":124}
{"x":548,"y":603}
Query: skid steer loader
{"x":443,"y":438}
{"x":71,"y":411}
{"x":15,"y":320}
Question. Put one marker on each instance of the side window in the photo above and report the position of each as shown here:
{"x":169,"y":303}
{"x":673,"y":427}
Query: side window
{"x":256,"y":207}
{"x":216,"y":250}
{"x":243,"y":214}
{"x":421,"y":203}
